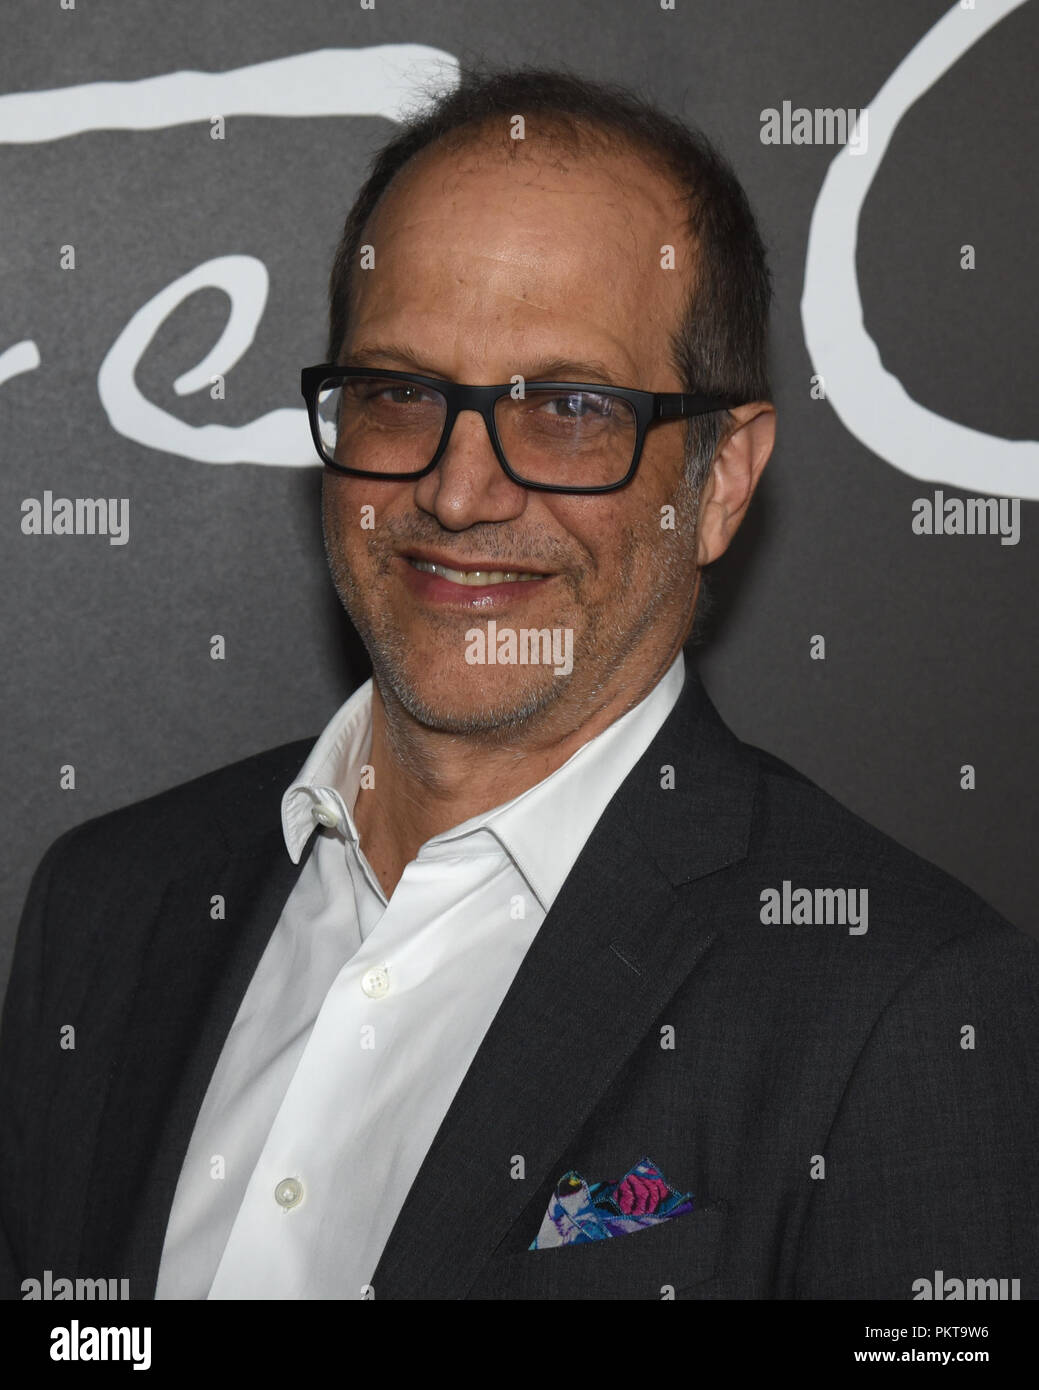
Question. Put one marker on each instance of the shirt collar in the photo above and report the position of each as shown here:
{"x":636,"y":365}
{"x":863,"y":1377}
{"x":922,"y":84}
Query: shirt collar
{"x":543,"y":830}
{"x":336,"y":761}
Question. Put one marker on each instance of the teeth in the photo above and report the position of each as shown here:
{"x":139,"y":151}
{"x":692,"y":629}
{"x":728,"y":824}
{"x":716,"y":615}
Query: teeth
{"x":474,"y":578}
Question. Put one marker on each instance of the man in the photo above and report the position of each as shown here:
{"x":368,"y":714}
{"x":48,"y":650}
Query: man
{"x":527,"y":979}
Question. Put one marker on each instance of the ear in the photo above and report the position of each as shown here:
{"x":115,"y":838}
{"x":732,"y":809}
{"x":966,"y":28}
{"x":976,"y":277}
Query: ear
{"x":737,"y":466}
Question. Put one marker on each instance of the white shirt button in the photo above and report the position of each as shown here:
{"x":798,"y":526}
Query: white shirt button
{"x":376,"y":982}
{"x":326,"y":815}
{"x":289,"y":1193}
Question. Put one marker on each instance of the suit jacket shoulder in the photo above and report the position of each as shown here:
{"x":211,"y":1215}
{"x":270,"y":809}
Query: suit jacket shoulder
{"x":228,"y":806}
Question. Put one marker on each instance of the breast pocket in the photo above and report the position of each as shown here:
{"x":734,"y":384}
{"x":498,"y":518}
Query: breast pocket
{"x":679,"y":1254}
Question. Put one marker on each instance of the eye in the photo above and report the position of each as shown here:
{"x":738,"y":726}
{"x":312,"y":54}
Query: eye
{"x":399,"y":393}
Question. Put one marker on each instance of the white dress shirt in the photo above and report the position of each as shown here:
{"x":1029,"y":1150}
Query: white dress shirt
{"x":364,"y":1015}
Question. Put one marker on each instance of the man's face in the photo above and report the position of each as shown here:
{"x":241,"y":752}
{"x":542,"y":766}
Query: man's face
{"x":488,"y":267}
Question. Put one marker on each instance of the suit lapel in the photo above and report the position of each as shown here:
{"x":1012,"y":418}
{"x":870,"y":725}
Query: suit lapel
{"x":608,"y":957}
{"x":193,"y":977}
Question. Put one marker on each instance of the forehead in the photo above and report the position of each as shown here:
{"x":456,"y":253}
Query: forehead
{"x":545,"y":236}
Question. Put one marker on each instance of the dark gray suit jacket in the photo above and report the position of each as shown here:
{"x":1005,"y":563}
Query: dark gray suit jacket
{"x":794,"y":1046}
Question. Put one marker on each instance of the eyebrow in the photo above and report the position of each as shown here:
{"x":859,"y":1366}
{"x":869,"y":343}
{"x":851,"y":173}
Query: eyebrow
{"x":399,"y":356}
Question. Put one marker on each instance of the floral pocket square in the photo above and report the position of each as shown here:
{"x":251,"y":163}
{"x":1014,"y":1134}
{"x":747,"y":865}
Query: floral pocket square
{"x":580,"y":1211}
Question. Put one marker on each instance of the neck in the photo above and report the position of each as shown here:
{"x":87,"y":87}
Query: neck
{"x":427,"y":781}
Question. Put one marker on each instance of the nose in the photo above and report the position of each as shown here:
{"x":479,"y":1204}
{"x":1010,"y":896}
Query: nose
{"x":469,"y":484}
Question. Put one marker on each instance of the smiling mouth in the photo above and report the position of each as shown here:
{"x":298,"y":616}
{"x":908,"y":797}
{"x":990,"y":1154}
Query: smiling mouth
{"x":476,"y":579}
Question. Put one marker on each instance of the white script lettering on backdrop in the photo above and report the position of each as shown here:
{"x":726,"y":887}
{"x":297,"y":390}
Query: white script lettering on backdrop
{"x":377,"y":81}
{"x":869,"y":400}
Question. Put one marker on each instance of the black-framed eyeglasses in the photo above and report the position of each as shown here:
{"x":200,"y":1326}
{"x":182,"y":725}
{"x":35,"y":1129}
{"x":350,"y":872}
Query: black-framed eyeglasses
{"x":556,"y":436}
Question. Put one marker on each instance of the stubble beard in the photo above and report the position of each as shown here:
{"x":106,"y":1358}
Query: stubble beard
{"x":601,"y":644}
{"x":387,"y":647}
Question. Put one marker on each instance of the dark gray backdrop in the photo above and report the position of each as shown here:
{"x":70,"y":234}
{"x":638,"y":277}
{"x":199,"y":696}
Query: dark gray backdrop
{"x":930,"y":640}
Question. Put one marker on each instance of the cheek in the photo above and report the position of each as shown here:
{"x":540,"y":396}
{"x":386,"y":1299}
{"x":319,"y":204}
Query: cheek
{"x":595,"y":524}
{"x":622,"y":540}
{"x":351,"y":514}
{"x":335,"y":500}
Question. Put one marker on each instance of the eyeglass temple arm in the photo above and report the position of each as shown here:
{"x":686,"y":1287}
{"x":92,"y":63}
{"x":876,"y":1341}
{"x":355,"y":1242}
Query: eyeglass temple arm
{"x":673,"y":405}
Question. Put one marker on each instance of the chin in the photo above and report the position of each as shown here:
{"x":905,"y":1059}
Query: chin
{"x":479,"y":706}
